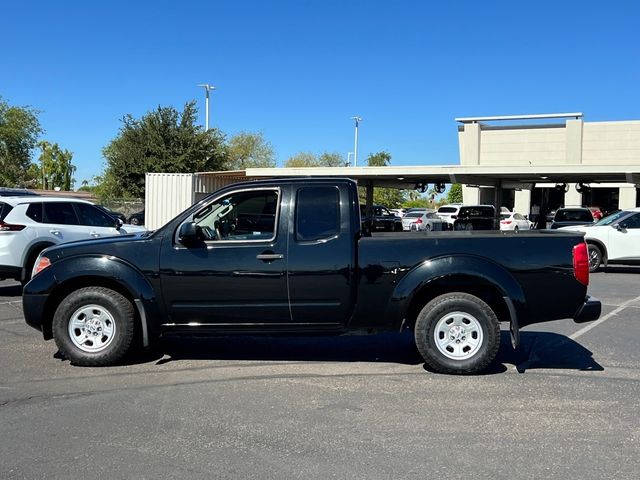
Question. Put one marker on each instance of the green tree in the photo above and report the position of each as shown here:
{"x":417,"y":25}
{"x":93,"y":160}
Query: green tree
{"x":19,"y":132}
{"x":249,"y":150}
{"x":56,"y":169}
{"x":455,"y":193}
{"x":306,"y":159}
{"x":380,"y":159}
{"x":163,"y":140}
{"x":334,"y":159}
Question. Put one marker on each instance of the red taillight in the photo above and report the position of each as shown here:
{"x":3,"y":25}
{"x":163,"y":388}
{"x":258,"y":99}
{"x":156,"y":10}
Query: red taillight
{"x":581,"y":263}
{"x":43,"y":262}
{"x":419,"y":220}
{"x":10,"y":227}
{"x":506,"y":222}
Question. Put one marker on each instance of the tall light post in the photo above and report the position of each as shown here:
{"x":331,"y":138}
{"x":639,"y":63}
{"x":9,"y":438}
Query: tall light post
{"x":349,"y":158}
{"x":357,"y":119}
{"x":207,"y":89}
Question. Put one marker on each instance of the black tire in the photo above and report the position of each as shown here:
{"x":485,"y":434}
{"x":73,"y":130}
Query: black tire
{"x":516,"y":229}
{"x":595,"y":257}
{"x":428,"y":227}
{"x":460,"y":308}
{"x":120,"y":316}
{"x":134,"y":221}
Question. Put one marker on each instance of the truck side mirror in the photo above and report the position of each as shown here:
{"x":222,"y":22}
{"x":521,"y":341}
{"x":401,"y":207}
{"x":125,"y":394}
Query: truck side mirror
{"x":119,"y":223}
{"x":188,"y":233}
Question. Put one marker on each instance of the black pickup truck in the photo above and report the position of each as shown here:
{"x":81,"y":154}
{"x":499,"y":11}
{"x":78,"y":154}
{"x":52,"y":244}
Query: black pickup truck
{"x":290,"y":257}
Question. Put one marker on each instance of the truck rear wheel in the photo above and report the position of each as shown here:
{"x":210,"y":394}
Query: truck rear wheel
{"x":94,"y":326}
{"x":457,"y":333}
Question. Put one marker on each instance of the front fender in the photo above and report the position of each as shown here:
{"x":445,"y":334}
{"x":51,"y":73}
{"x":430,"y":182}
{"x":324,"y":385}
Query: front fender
{"x":52,"y":285}
{"x":468,"y":266}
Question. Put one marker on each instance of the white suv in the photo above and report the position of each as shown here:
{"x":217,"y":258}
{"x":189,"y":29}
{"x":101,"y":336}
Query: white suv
{"x":449,"y":213}
{"x":29,"y":224}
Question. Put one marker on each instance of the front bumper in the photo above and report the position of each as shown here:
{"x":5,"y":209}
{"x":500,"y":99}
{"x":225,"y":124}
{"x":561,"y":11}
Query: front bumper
{"x":588,"y":311}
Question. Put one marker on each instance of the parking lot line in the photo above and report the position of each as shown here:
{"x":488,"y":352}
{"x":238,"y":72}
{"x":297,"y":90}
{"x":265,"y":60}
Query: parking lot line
{"x":601,"y":320}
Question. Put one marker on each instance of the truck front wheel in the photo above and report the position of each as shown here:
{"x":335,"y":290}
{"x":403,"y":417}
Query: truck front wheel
{"x":94,"y":326}
{"x":457,"y":333}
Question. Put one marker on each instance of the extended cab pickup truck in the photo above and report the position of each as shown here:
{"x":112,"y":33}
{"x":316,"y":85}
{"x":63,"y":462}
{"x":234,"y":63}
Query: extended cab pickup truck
{"x":290,"y":257}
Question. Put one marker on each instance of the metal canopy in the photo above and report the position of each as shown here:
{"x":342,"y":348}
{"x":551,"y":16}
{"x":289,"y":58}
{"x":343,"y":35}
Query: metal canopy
{"x":523,"y":177}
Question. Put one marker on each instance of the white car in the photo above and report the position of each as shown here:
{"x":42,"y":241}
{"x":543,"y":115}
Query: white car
{"x":513,"y":221}
{"x":449,"y":213}
{"x":29,"y":224}
{"x":422,"y":220}
{"x":613,"y":239}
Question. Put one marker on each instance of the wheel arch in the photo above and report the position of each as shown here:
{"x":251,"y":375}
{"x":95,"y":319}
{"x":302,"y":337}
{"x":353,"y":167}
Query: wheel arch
{"x":105,"y":272}
{"x":467,"y":274}
{"x":600,"y":244}
{"x":33,"y":250}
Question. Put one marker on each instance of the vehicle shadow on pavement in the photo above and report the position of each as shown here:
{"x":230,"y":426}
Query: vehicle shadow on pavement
{"x":619,"y":269}
{"x":14,"y":290}
{"x":546,"y":350}
{"x":386,"y":347}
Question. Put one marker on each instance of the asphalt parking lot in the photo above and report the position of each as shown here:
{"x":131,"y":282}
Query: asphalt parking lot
{"x":565,"y":405}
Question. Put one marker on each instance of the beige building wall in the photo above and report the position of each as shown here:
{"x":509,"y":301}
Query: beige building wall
{"x":572,"y":142}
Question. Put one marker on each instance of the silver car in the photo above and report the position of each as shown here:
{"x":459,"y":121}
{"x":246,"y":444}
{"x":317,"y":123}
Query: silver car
{"x":422,"y":220}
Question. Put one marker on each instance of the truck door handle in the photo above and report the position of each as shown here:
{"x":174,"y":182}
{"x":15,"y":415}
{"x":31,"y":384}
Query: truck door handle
{"x":269,"y":257}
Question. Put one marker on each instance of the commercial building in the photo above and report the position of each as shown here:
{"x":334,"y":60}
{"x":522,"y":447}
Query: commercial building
{"x":558,"y":140}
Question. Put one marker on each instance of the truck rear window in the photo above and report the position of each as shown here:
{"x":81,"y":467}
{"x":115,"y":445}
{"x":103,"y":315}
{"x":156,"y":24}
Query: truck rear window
{"x":317,"y":213}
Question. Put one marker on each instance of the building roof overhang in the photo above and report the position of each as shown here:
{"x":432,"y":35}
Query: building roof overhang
{"x":482,"y":176}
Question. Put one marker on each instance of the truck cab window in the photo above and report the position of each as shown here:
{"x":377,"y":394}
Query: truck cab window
{"x":248,"y":215}
{"x":317,"y":213}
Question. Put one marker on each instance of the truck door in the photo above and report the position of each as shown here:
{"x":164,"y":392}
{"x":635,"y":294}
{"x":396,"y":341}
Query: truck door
{"x":235,"y":276}
{"x":321,"y":255}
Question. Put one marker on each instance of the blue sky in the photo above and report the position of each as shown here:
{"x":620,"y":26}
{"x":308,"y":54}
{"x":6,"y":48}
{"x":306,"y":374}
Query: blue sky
{"x":298,"y":70}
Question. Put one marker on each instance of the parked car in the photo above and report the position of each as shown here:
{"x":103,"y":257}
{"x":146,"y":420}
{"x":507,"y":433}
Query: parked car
{"x":476,"y":217}
{"x":16,"y":192}
{"x":399,"y":212}
{"x":137,"y":218}
{"x":113,"y":213}
{"x":596,"y":212}
{"x":29,"y":224}
{"x":303,"y":265}
{"x":449,"y":213}
{"x":566,"y":217}
{"x":615,"y":239}
{"x":422,"y":220}
{"x":514,"y":221}
{"x":383,"y":219}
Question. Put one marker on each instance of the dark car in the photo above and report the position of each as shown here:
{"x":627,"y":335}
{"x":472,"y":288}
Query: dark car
{"x":137,"y":218}
{"x":114,"y":214}
{"x":16,"y":192}
{"x":476,"y":217}
{"x":568,"y":217}
{"x":383,"y":219}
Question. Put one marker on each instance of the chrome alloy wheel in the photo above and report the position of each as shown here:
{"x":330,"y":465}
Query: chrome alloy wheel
{"x":458,"y":335}
{"x":594,"y":258}
{"x":92,"y":328}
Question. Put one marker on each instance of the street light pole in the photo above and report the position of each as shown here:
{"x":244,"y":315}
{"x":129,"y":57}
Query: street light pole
{"x":207,"y":89}
{"x":357,"y":119}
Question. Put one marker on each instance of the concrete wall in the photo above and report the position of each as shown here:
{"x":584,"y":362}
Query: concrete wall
{"x":573,"y":142}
